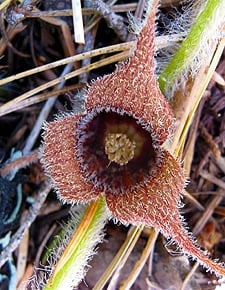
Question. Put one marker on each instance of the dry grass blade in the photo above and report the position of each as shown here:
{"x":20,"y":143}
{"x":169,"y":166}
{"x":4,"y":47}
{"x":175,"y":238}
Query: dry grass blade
{"x":190,"y":143}
{"x":4,"y":4}
{"x":120,"y":257}
{"x":192,"y":100}
{"x":161,"y":41}
{"x":142,"y":261}
{"x":42,"y":97}
{"x":213,"y":179}
{"x":71,"y":59}
{"x":188,"y":277}
{"x":115,"y":58}
{"x":207,"y":214}
{"x":193,"y":200}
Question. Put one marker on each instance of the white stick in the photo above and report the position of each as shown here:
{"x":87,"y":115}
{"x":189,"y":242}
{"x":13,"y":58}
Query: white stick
{"x":78,"y":22}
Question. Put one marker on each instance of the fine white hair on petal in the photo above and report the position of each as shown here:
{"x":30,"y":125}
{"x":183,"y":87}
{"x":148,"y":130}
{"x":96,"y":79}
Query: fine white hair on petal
{"x":135,"y":24}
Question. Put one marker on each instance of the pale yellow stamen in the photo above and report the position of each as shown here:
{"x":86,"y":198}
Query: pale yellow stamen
{"x":119,"y":148}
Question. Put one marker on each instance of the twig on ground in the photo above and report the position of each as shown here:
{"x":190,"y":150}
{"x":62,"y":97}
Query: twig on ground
{"x":44,"y":114}
{"x":114,"y":21}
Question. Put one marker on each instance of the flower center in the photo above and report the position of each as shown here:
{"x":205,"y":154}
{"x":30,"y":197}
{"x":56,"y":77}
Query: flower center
{"x":119,"y":148}
{"x":115,"y":152}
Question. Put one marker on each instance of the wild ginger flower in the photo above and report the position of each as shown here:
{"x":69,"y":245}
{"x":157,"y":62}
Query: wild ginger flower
{"x":115,"y":147}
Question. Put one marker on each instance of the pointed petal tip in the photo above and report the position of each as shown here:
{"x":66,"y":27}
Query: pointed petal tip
{"x":156,"y":204}
{"x":133,"y":86}
{"x":191,"y":248}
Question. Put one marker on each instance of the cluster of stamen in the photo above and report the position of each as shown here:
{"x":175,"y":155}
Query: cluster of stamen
{"x":119,"y":148}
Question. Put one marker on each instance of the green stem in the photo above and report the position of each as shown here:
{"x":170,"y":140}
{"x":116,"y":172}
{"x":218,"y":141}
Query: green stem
{"x":71,"y":267}
{"x":205,"y":27}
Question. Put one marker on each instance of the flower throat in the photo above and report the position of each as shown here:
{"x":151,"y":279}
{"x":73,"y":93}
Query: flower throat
{"x":115,"y":151}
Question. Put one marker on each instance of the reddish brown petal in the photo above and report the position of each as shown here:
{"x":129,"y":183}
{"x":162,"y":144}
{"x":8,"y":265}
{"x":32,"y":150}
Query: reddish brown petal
{"x":60,"y":161}
{"x":134,"y":88}
{"x":156,"y":204}
{"x":153,"y":203}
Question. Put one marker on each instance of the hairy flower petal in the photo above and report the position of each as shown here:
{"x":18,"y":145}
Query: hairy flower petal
{"x":156,"y":204}
{"x":61,"y":163}
{"x":133,"y":87}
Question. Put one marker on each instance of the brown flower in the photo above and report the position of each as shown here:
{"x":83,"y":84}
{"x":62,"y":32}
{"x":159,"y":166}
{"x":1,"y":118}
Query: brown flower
{"x":115,"y":148}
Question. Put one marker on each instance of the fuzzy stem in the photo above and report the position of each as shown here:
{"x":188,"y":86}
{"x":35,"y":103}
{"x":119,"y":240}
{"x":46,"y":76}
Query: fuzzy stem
{"x":204,"y":28}
{"x":70,"y":268}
